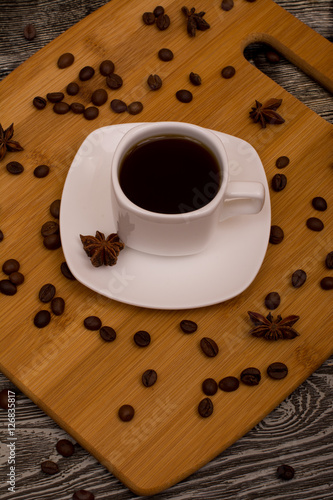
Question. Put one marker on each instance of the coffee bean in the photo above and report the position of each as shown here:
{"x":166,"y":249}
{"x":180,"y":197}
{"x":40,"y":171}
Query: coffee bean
{"x":229,"y":384}
{"x":118,"y":106}
{"x":135,"y":108}
{"x":55,"y":209}
{"x":282,"y":162}
{"x":188,"y":326}
{"x":327,"y":283}
{"x":227,"y":5}
{"x":29,"y":32}
{"x":184,"y":96}
{"x":83,"y":495}
{"x":49,"y":227}
{"x":314,"y":224}
{"x":126,"y":413}
{"x":14,"y":167}
{"x":209,"y":387}
{"x":250,"y":376}
{"x":41,"y":171}
{"x":66,"y":271}
{"x":205,"y":407}
{"x":163,"y":22}
{"x":285,"y":472}
{"x":10,"y":266}
{"x":49,"y":467}
{"x":114,"y":81}
{"x":77,"y":108}
{"x":148,"y":18}
{"x":277,"y":370}
{"x":16,"y":278}
{"x":55,"y":96}
{"x":99,"y":97}
{"x":57,"y":306}
{"x":86,"y":73}
{"x":298,"y":278}
{"x":149,"y":378}
{"x":65,"y":447}
{"x":142,"y":338}
{"x":42,"y":318}
{"x":165,"y":54}
{"x":319,"y":203}
{"x":107,"y":333}
{"x":276,"y":235}
{"x":92,"y":323}
{"x":195,"y":79}
{"x":65,"y":60}
{"x":52,"y":242}
{"x":158,"y":11}
{"x":39,"y":102}
{"x":91,"y":113}
{"x":106,"y":67}
{"x":272,"y":56}
{"x":279,"y":182}
{"x":209,"y":347}
{"x":46,"y":293}
{"x":7,"y":287}
{"x":61,"y":108}
{"x":154,"y":82}
{"x":72,"y":88}
{"x":329,"y":260}
{"x":1,"y":236}
{"x":272,"y":300}
{"x":228,"y":72}
{"x":4,"y":399}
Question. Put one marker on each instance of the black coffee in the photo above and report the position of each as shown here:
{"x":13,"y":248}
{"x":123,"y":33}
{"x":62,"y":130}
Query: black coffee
{"x":170,"y":175}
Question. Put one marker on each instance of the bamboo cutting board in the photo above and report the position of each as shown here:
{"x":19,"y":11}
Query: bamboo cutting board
{"x":69,"y":371}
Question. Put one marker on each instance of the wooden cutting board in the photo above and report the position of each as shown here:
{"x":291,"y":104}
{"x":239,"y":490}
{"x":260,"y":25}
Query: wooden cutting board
{"x":73,"y":375}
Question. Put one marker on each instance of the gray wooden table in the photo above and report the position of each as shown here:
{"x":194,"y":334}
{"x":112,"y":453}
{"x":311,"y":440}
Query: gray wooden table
{"x":299,"y":432}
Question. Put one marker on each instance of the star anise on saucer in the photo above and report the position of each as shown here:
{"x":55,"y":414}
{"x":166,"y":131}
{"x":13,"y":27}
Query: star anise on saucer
{"x":266,"y":113}
{"x":6,"y":142}
{"x":195,"y":21}
{"x":273,"y":329}
{"x":100,"y":250}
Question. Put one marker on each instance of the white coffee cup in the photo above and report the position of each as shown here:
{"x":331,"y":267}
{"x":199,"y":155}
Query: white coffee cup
{"x":187,"y":233}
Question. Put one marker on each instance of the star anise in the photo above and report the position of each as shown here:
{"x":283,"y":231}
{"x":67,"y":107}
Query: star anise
{"x":195,"y":21}
{"x":266,"y":113}
{"x":100,"y":250}
{"x":273,"y":329}
{"x":6,"y":142}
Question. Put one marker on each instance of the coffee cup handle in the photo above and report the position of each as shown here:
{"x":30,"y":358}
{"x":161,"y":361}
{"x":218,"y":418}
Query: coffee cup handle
{"x":242,"y":198}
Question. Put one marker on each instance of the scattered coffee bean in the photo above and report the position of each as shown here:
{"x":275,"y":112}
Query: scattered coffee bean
{"x":114,"y":81}
{"x":158,"y":11}
{"x":42,"y":318}
{"x":55,"y":96}
{"x":10,"y":266}
{"x":319,"y":203}
{"x":66,"y":271}
{"x":163,"y":22}
{"x":29,"y":32}
{"x":61,"y":108}
{"x":83,"y":495}
{"x":195,"y":79}
{"x":107,"y":333}
{"x":135,"y":108}
{"x":165,"y":54}
{"x":277,"y":370}
{"x":250,"y":1}
{"x":92,"y":323}
{"x":65,"y":447}
{"x":46,"y":293}
{"x":52,"y":242}
{"x":285,"y":472}
{"x":118,"y":106}
{"x":272,"y":300}
{"x":329,"y":260}
{"x":188,"y":326}
{"x":250,"y":376}
{"x":272,"y":56}
{"x":1,"y":236}
{"x":17,"y":278}
{"x":41,"y":171}
{"x":327,"y":283}
{"x":209,"y":347}
{"x":298,"y":278}
{"x":91,"y":113}
{"x":49,"y":227}
{"x":57,"y":306}
{"x":55,"y":209}
{"x":126,"y":413}
{"x":4,"y":399}
{"x":149,"y":378}
{"x":14,"y":167}
{"x":314,"y":224}
{"x":229,"y":384}
{"x":154,"y":82}
{"x":209,"y":387}
{"x":77,"y":108}
{"x":279,"y":182}
{"x":282,"y":162}
{"x":72,"y":88}
{"x":49,"y":467}
{"x":184,"y":96}
{"x":99,"y":97}
{"x":142,"y":338}
{"x":7,"y":287}
{"x":276,"y":235}
{"x":227,"y":5}
{"x":205,"y":407}
{"x":39,"y":102}
{"x":228,"y":72}
{"x":148,"y":18}
{"x":65,"y":60}
{"x":86,"y":73}
{"x":106,"y":67}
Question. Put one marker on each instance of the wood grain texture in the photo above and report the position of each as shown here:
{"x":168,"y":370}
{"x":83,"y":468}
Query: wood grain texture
{"x":239,"y":488}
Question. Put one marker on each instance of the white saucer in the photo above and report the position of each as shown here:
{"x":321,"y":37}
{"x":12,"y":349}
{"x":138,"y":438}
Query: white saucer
{"x":222,"y":271}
